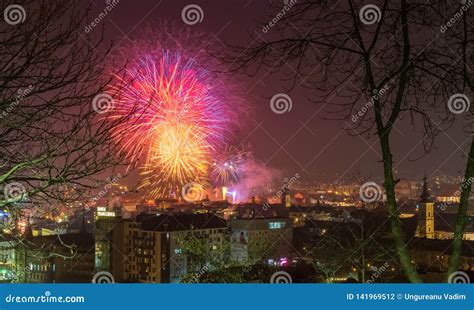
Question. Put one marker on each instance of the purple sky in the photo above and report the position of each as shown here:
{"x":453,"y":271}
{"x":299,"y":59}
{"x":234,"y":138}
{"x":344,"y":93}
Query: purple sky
{"x":299,"y":141}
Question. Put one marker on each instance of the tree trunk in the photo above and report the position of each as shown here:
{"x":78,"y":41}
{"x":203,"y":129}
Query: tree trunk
{"x":397,"y":231}
{"x":462,"y":213}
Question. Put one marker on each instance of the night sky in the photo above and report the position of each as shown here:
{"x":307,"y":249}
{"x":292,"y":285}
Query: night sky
{"x":300,"y":141}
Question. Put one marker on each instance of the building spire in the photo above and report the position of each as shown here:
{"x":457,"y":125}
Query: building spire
{"x":425,"y":194}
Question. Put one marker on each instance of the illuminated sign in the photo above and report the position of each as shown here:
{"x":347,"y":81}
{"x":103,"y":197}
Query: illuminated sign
{"x":276,"y":225}
{"x":106,"y":214}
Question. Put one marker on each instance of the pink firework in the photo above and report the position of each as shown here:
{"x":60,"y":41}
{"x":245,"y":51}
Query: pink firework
{"x":178,"y":113}
{"x":167,"y":91}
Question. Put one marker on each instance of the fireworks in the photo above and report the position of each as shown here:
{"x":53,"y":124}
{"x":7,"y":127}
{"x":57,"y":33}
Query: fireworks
{"x":175,"y":120}
{"x":180,"y":117}
{"x":227,"y":166}
{"x":167,"y":92}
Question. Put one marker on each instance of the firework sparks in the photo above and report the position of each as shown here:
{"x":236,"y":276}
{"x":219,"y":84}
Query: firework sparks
{"x":175,"y":120}
{"x":163,"y":92}
{"x":180,"y":116}
{"x":227,"y":166}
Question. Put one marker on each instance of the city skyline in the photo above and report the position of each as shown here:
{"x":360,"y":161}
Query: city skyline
{"x":237,"y":142}
{"x":300,"y":141}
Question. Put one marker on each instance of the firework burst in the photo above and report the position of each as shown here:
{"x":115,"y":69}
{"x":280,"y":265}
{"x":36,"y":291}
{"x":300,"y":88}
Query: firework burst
{"x":227,"y":166}
{"x":179,"y":114}
{"x":167,"y":92}
{"x":175,"y":120}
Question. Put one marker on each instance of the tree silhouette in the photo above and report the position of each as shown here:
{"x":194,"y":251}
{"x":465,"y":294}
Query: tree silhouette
{"x":369,"y":66}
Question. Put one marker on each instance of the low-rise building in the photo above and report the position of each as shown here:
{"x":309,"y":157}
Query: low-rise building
{"x":154,"y":249}
{"x":261,"y":240}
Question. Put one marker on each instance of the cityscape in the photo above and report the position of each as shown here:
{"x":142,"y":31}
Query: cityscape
{"x":310,"y":234}
{"x":278,"y":142}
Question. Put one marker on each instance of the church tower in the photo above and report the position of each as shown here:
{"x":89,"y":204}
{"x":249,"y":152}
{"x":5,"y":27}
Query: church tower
{"x":426,"y":221}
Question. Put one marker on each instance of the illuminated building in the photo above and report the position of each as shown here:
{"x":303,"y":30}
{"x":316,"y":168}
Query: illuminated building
{"x":152,"y":249}
{"x":286,"y":198}
{"x":105,"y":221}
{"x":9,"y":256}
{"x":53,"y":259}
{"x":438,"y":225}
{"x":426,"y":214}
{"x":266,"y":239}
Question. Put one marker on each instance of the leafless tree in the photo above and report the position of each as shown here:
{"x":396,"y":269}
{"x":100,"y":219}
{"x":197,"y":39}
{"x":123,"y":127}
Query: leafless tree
{"x":369,"y":65}
{"x":458,"y":48}
{"x":55,"y":144}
